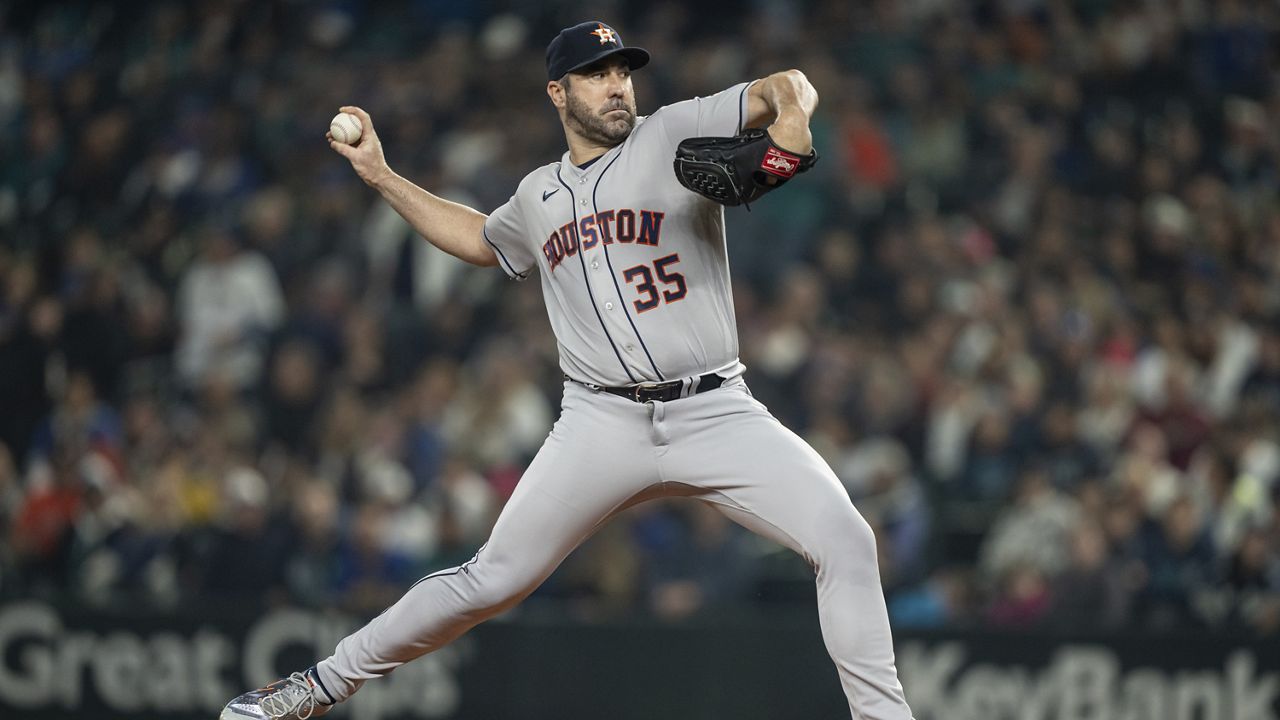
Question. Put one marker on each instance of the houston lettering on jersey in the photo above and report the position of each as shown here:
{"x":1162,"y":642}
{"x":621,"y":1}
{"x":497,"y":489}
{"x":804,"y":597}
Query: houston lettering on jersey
{"x":608,"y":227}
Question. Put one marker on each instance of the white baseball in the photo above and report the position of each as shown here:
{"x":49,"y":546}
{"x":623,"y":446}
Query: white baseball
{"x":345,"y":128}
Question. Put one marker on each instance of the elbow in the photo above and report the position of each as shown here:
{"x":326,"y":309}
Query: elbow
{"x":801,"y":83}
{"x":795,"y":75}
{"x":793,"y":78}
{"x":787,"y":93}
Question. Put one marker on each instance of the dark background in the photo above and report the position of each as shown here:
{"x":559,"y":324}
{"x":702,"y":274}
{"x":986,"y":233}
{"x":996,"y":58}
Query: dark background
{"x":1026,"y":306}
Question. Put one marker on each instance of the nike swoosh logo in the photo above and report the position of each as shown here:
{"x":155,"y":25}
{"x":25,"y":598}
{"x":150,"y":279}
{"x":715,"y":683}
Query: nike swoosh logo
{"x":548,"y":193}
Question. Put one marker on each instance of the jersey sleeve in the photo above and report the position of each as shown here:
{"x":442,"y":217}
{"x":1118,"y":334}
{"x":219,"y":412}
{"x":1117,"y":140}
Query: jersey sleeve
{"x":504,"y":231}
{"x":719,"y":115}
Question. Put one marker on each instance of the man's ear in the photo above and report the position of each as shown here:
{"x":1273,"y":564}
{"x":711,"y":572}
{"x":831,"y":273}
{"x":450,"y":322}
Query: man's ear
{"x":555,"y":91}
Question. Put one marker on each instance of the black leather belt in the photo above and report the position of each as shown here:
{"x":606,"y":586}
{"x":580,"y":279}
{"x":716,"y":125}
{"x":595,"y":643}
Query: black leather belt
{"x":662,"y":392}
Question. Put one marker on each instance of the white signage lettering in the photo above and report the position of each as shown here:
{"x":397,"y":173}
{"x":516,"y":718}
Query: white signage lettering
{"x":1081,"y":682}
{"x":45,"y":665}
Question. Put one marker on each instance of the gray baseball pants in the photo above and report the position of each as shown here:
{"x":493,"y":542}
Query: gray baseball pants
{"x":606,"y":453}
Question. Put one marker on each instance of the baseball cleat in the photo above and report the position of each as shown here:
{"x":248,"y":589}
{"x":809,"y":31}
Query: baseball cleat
{"x":296,"y":697}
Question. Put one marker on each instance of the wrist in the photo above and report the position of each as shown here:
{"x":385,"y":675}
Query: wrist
{"x":791,"y":117}
{"x":791,"y":132}
{"x":382,"y":179}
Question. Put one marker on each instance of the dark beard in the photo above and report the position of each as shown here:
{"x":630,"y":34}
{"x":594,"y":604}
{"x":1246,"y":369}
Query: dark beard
{"x":595,"y":127}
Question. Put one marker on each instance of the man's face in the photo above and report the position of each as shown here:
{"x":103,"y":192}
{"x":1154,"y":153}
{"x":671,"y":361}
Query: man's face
{"x":600,"y":104}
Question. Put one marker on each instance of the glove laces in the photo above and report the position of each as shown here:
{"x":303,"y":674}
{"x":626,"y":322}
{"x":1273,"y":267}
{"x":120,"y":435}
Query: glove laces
{"x":292,"y":700}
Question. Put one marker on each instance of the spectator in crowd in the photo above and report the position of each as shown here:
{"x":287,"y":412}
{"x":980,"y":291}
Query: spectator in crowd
{"x":1179,"y":560}
{"x":244,"y":555}
{"x":877,"y":473}
{"x":228,"y":302}
{"x":1096,"y":589}
{"x":943,"y":600}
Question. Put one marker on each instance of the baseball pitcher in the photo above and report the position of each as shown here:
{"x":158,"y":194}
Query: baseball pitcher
{"x":626,"y":235}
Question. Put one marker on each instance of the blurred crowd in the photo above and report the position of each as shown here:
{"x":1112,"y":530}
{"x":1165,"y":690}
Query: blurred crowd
{"x":1027,"y":306}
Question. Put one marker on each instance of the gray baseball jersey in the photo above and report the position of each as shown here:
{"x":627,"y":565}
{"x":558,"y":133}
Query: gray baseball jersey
{"x":634,"y":266}
{"x":636,"y":279}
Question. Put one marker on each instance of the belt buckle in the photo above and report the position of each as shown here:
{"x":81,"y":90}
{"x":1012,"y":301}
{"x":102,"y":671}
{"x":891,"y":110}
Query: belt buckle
{"x":646,"y":393}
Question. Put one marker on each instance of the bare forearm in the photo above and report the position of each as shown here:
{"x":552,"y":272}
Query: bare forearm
{"x":455,"y":229}
{"x":450,"y":226}
{"x":791,"y":100}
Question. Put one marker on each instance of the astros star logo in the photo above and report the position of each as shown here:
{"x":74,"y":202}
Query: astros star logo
{"x":606,"y":35}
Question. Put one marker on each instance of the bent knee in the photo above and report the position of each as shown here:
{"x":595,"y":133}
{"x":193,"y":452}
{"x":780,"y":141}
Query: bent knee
{"x":841,"y":534}
{"x":496,"y":597}
{"x":475,"y":593}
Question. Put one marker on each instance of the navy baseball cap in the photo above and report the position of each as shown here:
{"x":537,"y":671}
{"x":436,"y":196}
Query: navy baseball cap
{"x":579,"y":46}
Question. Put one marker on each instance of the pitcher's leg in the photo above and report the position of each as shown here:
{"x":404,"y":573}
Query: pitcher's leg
{"x":588,"y":468}
{"x":769,"y":480}
{"x":851,"y":606}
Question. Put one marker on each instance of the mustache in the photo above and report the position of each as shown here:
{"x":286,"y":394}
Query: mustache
{"x":615,"y":106}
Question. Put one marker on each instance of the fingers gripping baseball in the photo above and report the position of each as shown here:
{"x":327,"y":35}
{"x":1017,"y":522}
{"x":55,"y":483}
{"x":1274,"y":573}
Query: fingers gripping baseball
{"x":365,"y":154}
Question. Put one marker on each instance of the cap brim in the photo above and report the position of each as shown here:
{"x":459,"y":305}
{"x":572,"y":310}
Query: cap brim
{"x":636,"y":58}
